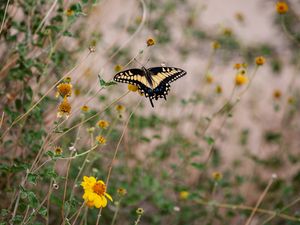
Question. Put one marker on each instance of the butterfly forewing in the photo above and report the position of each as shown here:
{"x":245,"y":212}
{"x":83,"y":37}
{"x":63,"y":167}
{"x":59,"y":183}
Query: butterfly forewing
{"x":132,"y":76}
{"x":166,"y":74}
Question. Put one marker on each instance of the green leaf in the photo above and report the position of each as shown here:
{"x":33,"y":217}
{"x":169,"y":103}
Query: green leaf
{"x":209,"y":140}
{"x":33,"y":202}
{"x":199,"y":166}
{"x":104,"y":83}
{"x":43,"y":211}
{"x":32,"y":178}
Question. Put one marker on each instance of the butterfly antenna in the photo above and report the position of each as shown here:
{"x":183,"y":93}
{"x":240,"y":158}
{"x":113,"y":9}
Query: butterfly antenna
{"x":151,"y":102}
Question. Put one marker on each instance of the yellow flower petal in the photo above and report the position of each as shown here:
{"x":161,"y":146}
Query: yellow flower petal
{"x":104,"y":201}
{"x":108,"y":196}
{"x":98,"y":202}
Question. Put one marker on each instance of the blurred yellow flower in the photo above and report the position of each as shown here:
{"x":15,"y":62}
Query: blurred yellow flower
{"x":85,"y":108}
{"x":184,"y":195}
{"x":150,"y":42}
{"x":103,"y":124}
{"x":120,"y":108}
{"x":209,"y":79}
{"x":227,"y":31}
{"x":64,"y":109}
{"x":101,"y":139}
{"x":64,"y":90}
{"x":94,"y":192}
{"x":237,"y":66}
{"x":260,"y":60}
{"x":291,"y":100}
{"x":77,"y":91}
{"x":118,"y":68}
{"x":277,"y":94}
{"x":240,"y":79}
{"x":68,"y":79}
{"x":140,"y":211}
{"x":239,"y":17}
{"x":216,"y":45}
{"x":122,"y":191}
{"x":219,"y":89}
{"x":281,"y":7}
{"x":58,"y":150}
{"x":69,"y":12}
{"x":132,"y":88}
{"x":217,"y":176}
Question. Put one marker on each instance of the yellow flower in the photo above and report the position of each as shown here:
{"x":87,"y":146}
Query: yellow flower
{"x":227,"y":31}
{"x":140,"y":211}
{"x":219,"y":89}
{"x":260,"y":60}
{"x":209,"y":79}
{"x":239,"y":17}
{"x":94,"y":192}
{"x":90,"y":130}
{"x":58,"y":150}
{"x":216,"y":45}
{"x":77,"y":91}
{"x":118,"y":68}
{"x":291,"y":100}
{"x":217,"y":176}
{"x":240,"y":79}
{"x":70,"y":12}
{"x":64,"y":109}
{"x":67,"y":79}
{"x":101,"y":139}
{"x":237,"y":66}
{"x":103,"y":124}
{"x":281,"y":7}
{"x":184,"y":195}
{"x":150,"y":42}
{"x":277,"y":94}
{"x":85,"y":108}
{"x":120,"y":108}
{"x":244,"y":65}
{"x":132,"y":88}
{"x":122,"y":191}
{"x":64,"y":89}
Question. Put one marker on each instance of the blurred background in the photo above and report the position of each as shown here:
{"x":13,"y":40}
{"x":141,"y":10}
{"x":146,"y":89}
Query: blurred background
{"x":223,"y":148}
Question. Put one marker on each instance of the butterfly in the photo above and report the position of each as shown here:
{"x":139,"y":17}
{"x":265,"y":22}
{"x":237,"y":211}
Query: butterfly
{"x":153,"y":82}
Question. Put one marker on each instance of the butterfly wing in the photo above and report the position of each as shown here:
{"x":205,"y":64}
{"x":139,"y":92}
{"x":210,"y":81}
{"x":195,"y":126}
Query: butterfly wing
{"x":166,"y":74}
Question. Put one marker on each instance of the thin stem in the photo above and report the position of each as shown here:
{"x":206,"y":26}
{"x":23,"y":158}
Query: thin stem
{"x":46,"y":17}
{"x":77,"y":215}
{"x":137,"y":220}
{"x":288,"y":34}
{"x":284,"y":208}
{"x":116,"y":213}
{"x":247,"y":208}
{"x":115,"y":154}
{"x":248,"y":222}
{"x":5,"y":12}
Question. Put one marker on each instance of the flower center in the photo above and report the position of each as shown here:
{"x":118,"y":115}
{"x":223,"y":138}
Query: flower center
{"x":99,"y":189}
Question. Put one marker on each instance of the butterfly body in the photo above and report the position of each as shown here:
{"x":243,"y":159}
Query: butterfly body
{"x":153,"y":82}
